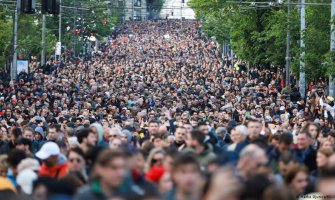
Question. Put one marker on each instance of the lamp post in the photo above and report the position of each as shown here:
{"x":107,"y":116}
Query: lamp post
{"x":332,"y":46}
{"x":302,"y":81}
{"x":288,"y":41}
{"x":13,"y":67}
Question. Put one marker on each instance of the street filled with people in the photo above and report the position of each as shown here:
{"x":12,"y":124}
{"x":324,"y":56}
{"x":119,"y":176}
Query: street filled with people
{"x":156,"y":112}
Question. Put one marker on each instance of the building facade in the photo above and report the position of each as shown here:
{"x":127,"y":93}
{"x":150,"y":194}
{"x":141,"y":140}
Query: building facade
{"x":176,"y":9}
{"x":135,"y":9}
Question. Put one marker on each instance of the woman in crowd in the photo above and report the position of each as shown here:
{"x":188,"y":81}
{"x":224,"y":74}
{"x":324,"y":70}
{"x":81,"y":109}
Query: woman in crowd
{"x":155,"y":158}
{"x":296,"y":179}
{"x":77,"y":162}
{"x":322,"y":158}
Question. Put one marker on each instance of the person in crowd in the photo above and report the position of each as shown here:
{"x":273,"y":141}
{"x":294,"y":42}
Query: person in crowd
{"x":238,"y":136}
{"x":314,"y":130}
{"x":25,"y":181}
{"x":186,"y":175}
{"x":179,"y":142}
{"x":223,"y":137}
{"x":232,"y":186}
{"x":153,"y":128}
{"x":327,"y":144}
{"x":137,"y":166}
{"x":15,"y":135}
{"x":53,"y":165}
{"x":24,"y":145}
{"x":279,"y":193}
{"x":86,"y":139}
{"x":285,"y":144}
{"x":110,"y":172}
{"x":305,"y":151}
{"x":97,"y":129}
{"x":202,"y":149}
{"x":15,"y":156}
{"x":326,"y":183}
{"x":286,"y":159}
{"x":254,"y":129}
{"x":322,"y":158}
{"x":204,"y":128}
{"x":28,"y":133}
{"x":161,"y":177}
{"x":155,"y":158}
{"x":114,"y":133}
{"x":54,"y":133}
{"x":77,"y":162}
{"x":252,"y":159}
{"x":169,"y":157}
{"x":7,"y":189}
{"x":39,"y":135}
{"x":115,"y":143}
{"x":296,"y":179}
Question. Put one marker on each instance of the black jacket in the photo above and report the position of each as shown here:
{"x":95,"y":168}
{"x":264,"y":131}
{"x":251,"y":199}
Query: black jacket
{"x":307,"y":157}
{"x":6,"y":147}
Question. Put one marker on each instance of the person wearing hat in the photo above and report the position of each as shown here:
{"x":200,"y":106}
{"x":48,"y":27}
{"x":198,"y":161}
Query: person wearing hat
{"x":52,"y":166}
{"x":39,"y":134}
{"x":29,"y":164}
{"x":25,"y":180}
{"x":97,"y":129}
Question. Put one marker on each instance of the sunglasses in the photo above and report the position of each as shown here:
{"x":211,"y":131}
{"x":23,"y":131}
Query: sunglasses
{"x":154,"y":161}
{"x":75,"y":159}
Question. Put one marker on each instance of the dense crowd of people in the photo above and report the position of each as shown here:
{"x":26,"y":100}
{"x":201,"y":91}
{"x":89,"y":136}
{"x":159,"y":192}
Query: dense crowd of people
{"x":157,"y":113}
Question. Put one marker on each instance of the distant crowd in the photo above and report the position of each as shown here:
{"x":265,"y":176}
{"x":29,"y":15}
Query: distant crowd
{"x":157,"y":113}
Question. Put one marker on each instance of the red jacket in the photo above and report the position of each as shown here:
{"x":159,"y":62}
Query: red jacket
{"x":57,"y":171}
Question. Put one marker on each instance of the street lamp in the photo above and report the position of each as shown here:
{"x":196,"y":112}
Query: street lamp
{"x":288,"y":41}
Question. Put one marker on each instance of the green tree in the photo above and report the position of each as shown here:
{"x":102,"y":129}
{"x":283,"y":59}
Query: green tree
{"x":5,"y":38}
{"x":30,"y":37}
{"x":80,"y":20}
{"x":258,"y":34}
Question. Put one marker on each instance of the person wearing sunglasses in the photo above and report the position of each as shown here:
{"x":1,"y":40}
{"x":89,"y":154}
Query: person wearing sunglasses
{"x":77,"y":163}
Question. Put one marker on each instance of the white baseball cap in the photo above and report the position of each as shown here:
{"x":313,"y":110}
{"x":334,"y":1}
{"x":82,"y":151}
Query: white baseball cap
{"x":47,"y":150}
{"x":25,"y":180}
{"x":28,"y":163}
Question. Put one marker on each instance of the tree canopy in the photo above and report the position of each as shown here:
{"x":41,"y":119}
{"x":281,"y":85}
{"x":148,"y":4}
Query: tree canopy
{"x":258,"y":33}
{"x":80,"y":20}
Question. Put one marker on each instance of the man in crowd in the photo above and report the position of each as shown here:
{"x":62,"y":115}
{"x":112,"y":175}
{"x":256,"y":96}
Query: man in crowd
{"x":179,"y":142}
{"x":153,"y":128}
{"x":15,"y":135}
{"x":252,"y":159}
{"x":53,"y":165}
{"x":86,"y":139}
{"x":187,"y":176}
{"x":203,"y":150}
{"x":305,"y":152}
{"x":28,"y":133}
{"x":254,"y":129}
{"x":111,"y":181}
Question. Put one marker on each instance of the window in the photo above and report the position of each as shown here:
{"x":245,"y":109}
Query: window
{"x":138,"y":3}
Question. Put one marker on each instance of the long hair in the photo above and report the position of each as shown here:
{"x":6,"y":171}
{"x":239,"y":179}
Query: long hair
{"x":149,"y":162}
